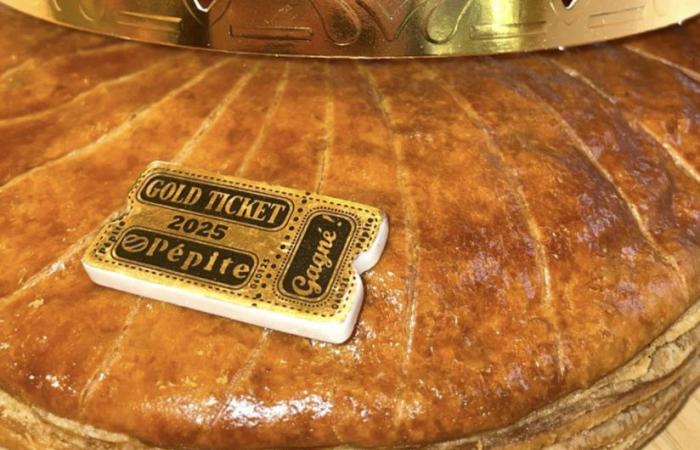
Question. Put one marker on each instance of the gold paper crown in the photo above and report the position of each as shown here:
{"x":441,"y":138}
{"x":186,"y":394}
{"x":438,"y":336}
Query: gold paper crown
{"x":365,"y":28}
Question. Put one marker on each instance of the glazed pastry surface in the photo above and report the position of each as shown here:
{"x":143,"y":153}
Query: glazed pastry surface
{"x":545,"y":229}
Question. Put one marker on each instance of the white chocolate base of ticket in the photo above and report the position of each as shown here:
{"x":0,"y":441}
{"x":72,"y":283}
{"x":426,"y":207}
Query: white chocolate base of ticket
{"x":330,"y":331}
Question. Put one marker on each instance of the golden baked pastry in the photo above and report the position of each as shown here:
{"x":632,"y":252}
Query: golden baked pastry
{"x":539,"y":286}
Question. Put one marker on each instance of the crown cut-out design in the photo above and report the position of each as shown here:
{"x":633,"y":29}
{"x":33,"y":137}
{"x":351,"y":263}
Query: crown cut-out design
{"x":204,"y":5}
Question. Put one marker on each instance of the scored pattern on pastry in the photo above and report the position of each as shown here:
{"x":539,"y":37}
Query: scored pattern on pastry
{"x":586,"y":150}
{"x":413,"y":260}
{"x":532,"y":226}
{"x":470,"y":319}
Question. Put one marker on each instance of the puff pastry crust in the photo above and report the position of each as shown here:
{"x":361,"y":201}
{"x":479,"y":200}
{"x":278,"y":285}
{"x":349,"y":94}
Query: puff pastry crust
{"x":539,"y":286}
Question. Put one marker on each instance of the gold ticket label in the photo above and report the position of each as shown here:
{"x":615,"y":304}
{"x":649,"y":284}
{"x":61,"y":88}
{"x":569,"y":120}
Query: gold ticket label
{"x":267,"y":255}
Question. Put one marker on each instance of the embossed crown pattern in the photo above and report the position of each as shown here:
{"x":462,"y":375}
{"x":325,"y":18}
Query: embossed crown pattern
{"x":365,"y":28}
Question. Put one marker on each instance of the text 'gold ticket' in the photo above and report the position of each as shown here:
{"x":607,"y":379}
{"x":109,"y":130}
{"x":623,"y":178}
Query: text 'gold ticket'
{"x":271,"y":256}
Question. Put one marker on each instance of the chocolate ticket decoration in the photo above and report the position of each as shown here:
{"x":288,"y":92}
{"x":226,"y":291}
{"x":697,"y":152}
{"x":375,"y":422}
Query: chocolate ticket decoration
{"x":365,"y":28}
{"x":271,"y":256}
